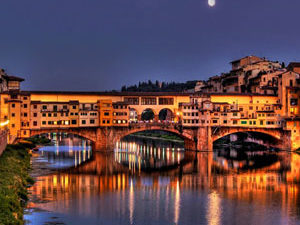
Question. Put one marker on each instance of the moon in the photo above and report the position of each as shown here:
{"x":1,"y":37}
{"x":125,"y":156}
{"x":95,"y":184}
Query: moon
{"x":211,"y":3}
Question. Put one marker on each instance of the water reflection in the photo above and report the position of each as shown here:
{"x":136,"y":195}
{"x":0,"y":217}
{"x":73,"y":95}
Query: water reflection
{"x":66,"y":151}
{"x":203,"y":188}
{"x":148,"y":154}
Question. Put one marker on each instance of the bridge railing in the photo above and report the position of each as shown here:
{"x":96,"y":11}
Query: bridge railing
{"x":148,"y":124}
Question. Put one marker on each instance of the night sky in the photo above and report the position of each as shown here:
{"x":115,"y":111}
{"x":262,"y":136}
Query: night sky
{"x":97,"y":45}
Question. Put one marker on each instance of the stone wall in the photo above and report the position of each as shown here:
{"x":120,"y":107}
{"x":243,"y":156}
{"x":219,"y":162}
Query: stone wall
{"x":3,"y":140}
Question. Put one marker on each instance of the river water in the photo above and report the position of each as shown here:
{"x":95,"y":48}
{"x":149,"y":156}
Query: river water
{"x":150,"y":181}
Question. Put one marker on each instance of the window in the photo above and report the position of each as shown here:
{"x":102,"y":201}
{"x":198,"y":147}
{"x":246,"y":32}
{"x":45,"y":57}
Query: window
{"x":55,"y":108}
{"x":54,"y":114}
{"x":166,"y":101}
{"x":44,"y":107}
{"x":103,"y":121}
{"x":261,"y":122}
{"x":25,"y":106}
{"x":132,"y":100}
{"x":25,"y":114}
{"x":74,"y":107}
{"x":13,"y":105}
{"x":107,"y":121}
{"x":44,"y":114}
{"x":234,"y":122}
{"x":34,"y":114}
{"x":106,"y":113}
{"x":25,"y":98}
{"x":13,"y":125}
{"x":49,"y":122}
{"x":13,"y":115}
{"x":49,"y":114}
{"x":215,"y":121}
{"x":44,"y":122}
{"x":243,"y":122}
{"x":35,"y":106}
{"x":293,"y":101}
{"x":83,"y":122}
{"x":149,"y":101}
{"x":65,"y":107}
{"x":73,"y":122}
{"x":92,"y":121}
{"x":35,"y":123}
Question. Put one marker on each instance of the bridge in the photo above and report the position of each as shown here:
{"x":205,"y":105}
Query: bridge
{"x":199,"y":138}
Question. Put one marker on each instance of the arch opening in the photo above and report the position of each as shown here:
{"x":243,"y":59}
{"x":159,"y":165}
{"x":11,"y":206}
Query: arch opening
{"x":166,"y":115}
{"x":60,"y":136}
{"x":150,"y":150}
{"x":248,"y":140}
{"x":147,"y":115}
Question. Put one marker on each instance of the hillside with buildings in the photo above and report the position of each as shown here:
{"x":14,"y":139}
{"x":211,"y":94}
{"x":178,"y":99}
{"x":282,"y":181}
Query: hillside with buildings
{"x":249,"y":75}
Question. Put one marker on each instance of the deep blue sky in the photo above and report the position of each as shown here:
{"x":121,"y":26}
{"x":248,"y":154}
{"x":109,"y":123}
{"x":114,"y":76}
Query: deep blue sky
{"x":97,"y":45}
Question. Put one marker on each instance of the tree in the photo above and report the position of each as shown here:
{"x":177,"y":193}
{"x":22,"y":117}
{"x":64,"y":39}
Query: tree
{"x":123,"y":88}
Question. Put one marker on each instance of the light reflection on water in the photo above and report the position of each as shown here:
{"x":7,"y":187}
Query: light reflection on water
{"x":199,"y":188}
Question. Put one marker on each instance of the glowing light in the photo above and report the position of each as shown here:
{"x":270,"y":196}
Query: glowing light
{"x":211,"y":3}
{"x":4,"y":123}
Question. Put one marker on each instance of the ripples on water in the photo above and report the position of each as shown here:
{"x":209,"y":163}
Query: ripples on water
{"x":146,"y":181}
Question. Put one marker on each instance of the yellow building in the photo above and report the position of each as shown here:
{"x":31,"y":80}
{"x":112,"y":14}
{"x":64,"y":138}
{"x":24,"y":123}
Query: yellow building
{"x":106,"y":112}
{"x":120,"y":114}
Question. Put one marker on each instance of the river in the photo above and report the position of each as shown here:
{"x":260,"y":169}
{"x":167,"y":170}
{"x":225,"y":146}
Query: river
{"x":149,"y":181}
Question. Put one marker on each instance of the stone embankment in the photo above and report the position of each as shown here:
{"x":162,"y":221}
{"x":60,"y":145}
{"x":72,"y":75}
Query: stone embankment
{"x":3,"y":140}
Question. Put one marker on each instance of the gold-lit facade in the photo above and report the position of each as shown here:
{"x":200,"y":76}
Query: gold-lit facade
{"x":34,"y":110}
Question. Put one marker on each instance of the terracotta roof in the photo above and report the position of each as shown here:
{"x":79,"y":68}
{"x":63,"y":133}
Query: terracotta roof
{"x":112,"y":93}
{"x":293,"y":64}
{"x":12,"y":78}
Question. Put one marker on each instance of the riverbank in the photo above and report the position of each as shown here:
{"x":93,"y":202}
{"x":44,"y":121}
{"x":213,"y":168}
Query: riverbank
{"x":159,"y":136}
{"x":14,"y":180}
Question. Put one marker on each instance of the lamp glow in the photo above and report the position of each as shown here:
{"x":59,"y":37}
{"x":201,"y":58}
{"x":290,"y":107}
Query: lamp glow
{"x":4,"y":123}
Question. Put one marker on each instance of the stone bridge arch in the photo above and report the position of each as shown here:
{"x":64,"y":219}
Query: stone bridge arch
{"x":280,"y":135}
{"x":115,"y":135}
{"x":89,"y":134}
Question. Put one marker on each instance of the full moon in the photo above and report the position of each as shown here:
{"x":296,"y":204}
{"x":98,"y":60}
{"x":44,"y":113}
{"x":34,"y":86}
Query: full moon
{"x":211,"y":3}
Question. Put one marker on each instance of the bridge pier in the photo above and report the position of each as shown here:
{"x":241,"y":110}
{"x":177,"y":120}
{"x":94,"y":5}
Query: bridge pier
{"x":205,"y":142}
